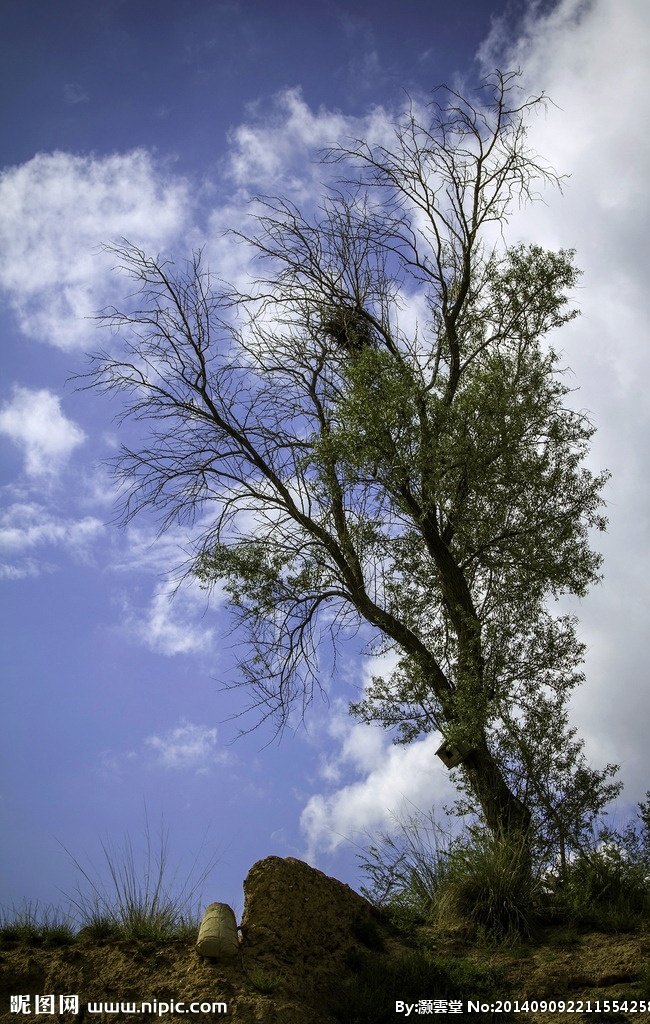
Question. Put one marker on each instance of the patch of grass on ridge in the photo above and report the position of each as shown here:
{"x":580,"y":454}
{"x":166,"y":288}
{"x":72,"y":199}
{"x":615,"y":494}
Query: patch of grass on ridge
{"x":31,"y":925}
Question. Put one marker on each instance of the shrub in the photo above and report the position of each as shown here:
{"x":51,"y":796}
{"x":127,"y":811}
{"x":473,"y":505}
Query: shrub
{"x":607,"y":884}
{"x":603,"y":888}
{"x":475,"y":881}
{"x":486,"y":884}
{"x":488,"y":887}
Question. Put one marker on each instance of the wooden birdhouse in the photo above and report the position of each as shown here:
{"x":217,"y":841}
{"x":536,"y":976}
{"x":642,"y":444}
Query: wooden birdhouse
{"x":452,"y":754}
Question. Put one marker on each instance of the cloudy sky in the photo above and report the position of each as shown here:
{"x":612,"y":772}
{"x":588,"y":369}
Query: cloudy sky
{"x":156,"y":121}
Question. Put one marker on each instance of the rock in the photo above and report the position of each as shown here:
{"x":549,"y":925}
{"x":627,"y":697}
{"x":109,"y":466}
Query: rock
{"x":299,"y":921}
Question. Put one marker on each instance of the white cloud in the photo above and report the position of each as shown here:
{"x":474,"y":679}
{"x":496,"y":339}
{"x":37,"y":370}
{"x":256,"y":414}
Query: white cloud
{"x":278,"y":150}
{"x":272,"y":147}
{"x":591,"y":59}
{"x":147,"y":549}
{"x":56,"y":210}
{"x":26,"y":525}
{"x":74,"y":94}
{"x":26,"y":569}
{"x":169,"y":625}
{"x":113,"y":765}
{"x":172,"y":622}
{"x":34,"y":421}
{"x":368,"y":781}
{"x":187,"y":746}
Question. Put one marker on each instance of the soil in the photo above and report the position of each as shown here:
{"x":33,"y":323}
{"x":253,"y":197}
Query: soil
{"x":582,"y":968}
{"x":309,"y":945}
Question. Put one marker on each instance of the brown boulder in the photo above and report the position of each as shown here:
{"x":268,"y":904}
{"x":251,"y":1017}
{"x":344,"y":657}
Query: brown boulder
{"x":299,"y":921}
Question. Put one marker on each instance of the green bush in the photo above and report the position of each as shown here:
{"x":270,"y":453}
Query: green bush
{"x":603,"y":888}
{"x":607,"y":884}
{"x":488,"y":888}
{"x":478,"y":882}
{"x":485,"y":884}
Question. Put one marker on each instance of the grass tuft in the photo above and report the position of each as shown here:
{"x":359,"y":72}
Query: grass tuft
{"x":488,"y":888}
{"x":31,"y":925}
{"x":138,"y":896}
{"x":135,"y":896}
{"x":264,"y":981}
{"x":404,"y":869}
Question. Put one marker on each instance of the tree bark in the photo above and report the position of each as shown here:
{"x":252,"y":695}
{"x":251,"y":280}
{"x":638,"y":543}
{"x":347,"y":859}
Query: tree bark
{"x":505,"y":814}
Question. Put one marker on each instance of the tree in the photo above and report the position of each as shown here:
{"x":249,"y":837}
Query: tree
{"x":378,"y":435}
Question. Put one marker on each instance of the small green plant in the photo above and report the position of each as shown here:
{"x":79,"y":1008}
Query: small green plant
{"x":34,"y":926}
{"x":138,"y":897}
{"x":264,"y":981}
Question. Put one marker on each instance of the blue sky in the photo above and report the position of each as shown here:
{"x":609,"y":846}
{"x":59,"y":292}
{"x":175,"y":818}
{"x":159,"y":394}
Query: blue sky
{"x":156,"y":121}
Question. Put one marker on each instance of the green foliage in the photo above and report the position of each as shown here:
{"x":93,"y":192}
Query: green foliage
{"x":100,"y":923}
{"x":607,"y":885}
{"x":264,"y":981}
{"x":603,"y":890}
{"x":546,"y":768}
{"x":137,"y":896}
{"x":476,"y":881}
{"x":488,"y":888}
{"x":31,"y":925}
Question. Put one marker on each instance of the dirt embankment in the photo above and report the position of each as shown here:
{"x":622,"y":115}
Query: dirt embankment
{"x":314,"y":952}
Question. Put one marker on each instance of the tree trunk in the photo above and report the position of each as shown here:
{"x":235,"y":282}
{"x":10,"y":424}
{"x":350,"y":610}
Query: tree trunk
{"x":506,"y":816}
